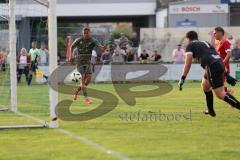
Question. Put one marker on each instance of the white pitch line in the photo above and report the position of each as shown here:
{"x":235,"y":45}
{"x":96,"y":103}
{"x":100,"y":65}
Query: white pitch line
{"x":95,"y":145}
{"x":31,"y":117}
{"x":99,"y":147}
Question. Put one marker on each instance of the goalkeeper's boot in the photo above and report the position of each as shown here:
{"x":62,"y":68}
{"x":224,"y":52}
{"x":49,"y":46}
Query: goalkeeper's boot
{"x":210,"y":112}
{"x":88,"y":100}
{"x":75,"y":95}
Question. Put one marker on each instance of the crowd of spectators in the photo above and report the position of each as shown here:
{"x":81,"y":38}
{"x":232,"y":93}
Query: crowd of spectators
{"x":28,"y":62}
{"x":178,"y":54}
{"x":119,"y":51}
{"x":125,"y":50}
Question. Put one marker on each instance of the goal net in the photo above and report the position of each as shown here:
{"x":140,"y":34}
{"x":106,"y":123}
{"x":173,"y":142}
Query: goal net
{"x":28,"y":55}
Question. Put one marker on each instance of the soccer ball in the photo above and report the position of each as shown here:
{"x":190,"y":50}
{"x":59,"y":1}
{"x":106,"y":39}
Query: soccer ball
{"x":76,"y":77}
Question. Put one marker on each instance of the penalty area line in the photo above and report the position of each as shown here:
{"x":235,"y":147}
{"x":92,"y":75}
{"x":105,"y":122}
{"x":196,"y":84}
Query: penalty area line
{"x":99,"y":147}
{"x":84,"y":140}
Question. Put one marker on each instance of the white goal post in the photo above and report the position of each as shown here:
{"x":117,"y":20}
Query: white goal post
{"x":52,"y":40}
{"x":12,"y":50}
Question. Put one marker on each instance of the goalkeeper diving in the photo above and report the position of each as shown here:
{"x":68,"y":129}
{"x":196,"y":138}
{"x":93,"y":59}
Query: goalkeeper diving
{"x":213,"y":80}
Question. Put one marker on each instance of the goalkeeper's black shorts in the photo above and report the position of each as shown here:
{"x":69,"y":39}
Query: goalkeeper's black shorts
{"x":215,"y":74}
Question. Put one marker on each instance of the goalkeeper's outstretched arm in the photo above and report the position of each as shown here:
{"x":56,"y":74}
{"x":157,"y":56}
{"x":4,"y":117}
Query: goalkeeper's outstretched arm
{"x":187,"y":65}
{"x":186,"y":68}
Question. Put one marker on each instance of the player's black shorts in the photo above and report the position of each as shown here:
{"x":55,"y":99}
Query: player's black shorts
{"x":215,"y":74}
{"x":33,"y":66}
{"x":85,"y":69}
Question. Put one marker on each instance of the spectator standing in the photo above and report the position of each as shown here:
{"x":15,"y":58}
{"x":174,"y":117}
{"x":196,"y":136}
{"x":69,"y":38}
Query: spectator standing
{"x":43,"y":55}
{"x":106,"y":57}
{"x":22,"y":68}
{"x":236,"y":53}
{"x":178,"y":55}
{"x":232,"y":41}
{"x":135,"y":40}
{"x":117,"y":56}
{"x":130,"y":56}
{"x":144,"y":57}
{"x":43,"y":58}
{"x":34,"y":54}
{"x":123,"y":41}
{"x":135,"y":43}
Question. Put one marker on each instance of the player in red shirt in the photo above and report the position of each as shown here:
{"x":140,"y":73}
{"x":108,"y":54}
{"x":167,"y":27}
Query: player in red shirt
{"x":224,"y":50}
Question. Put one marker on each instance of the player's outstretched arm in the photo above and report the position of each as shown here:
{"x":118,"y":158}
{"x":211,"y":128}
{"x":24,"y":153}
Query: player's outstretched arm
{"x":186,"y":68}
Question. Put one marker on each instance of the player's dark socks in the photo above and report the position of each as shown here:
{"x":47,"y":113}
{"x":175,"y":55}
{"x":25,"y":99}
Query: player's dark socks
{"x":29,"y":80}
{"x":232,"y":100}
{"x":209,"y":100}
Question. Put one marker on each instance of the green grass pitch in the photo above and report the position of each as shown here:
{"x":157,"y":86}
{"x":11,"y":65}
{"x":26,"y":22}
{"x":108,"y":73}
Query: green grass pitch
{"x":198,"y":138}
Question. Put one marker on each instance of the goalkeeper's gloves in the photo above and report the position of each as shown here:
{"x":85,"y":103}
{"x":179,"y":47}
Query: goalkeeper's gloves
{"x":230,"y":80}
{"x":181,"y":82}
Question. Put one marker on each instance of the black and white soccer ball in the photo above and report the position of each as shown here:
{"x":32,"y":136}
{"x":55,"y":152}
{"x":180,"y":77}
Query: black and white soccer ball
{"x":76,"y":77}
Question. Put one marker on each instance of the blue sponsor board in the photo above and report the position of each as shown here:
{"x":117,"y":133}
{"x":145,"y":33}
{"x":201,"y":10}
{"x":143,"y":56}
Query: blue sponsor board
{"x":187,"y":23}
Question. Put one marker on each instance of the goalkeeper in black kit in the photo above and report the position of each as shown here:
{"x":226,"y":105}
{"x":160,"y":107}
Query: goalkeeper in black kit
{"x":213,"y":79}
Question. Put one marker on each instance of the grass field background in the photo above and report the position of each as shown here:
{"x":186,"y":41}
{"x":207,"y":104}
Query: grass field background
{"x":201,"y":138}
